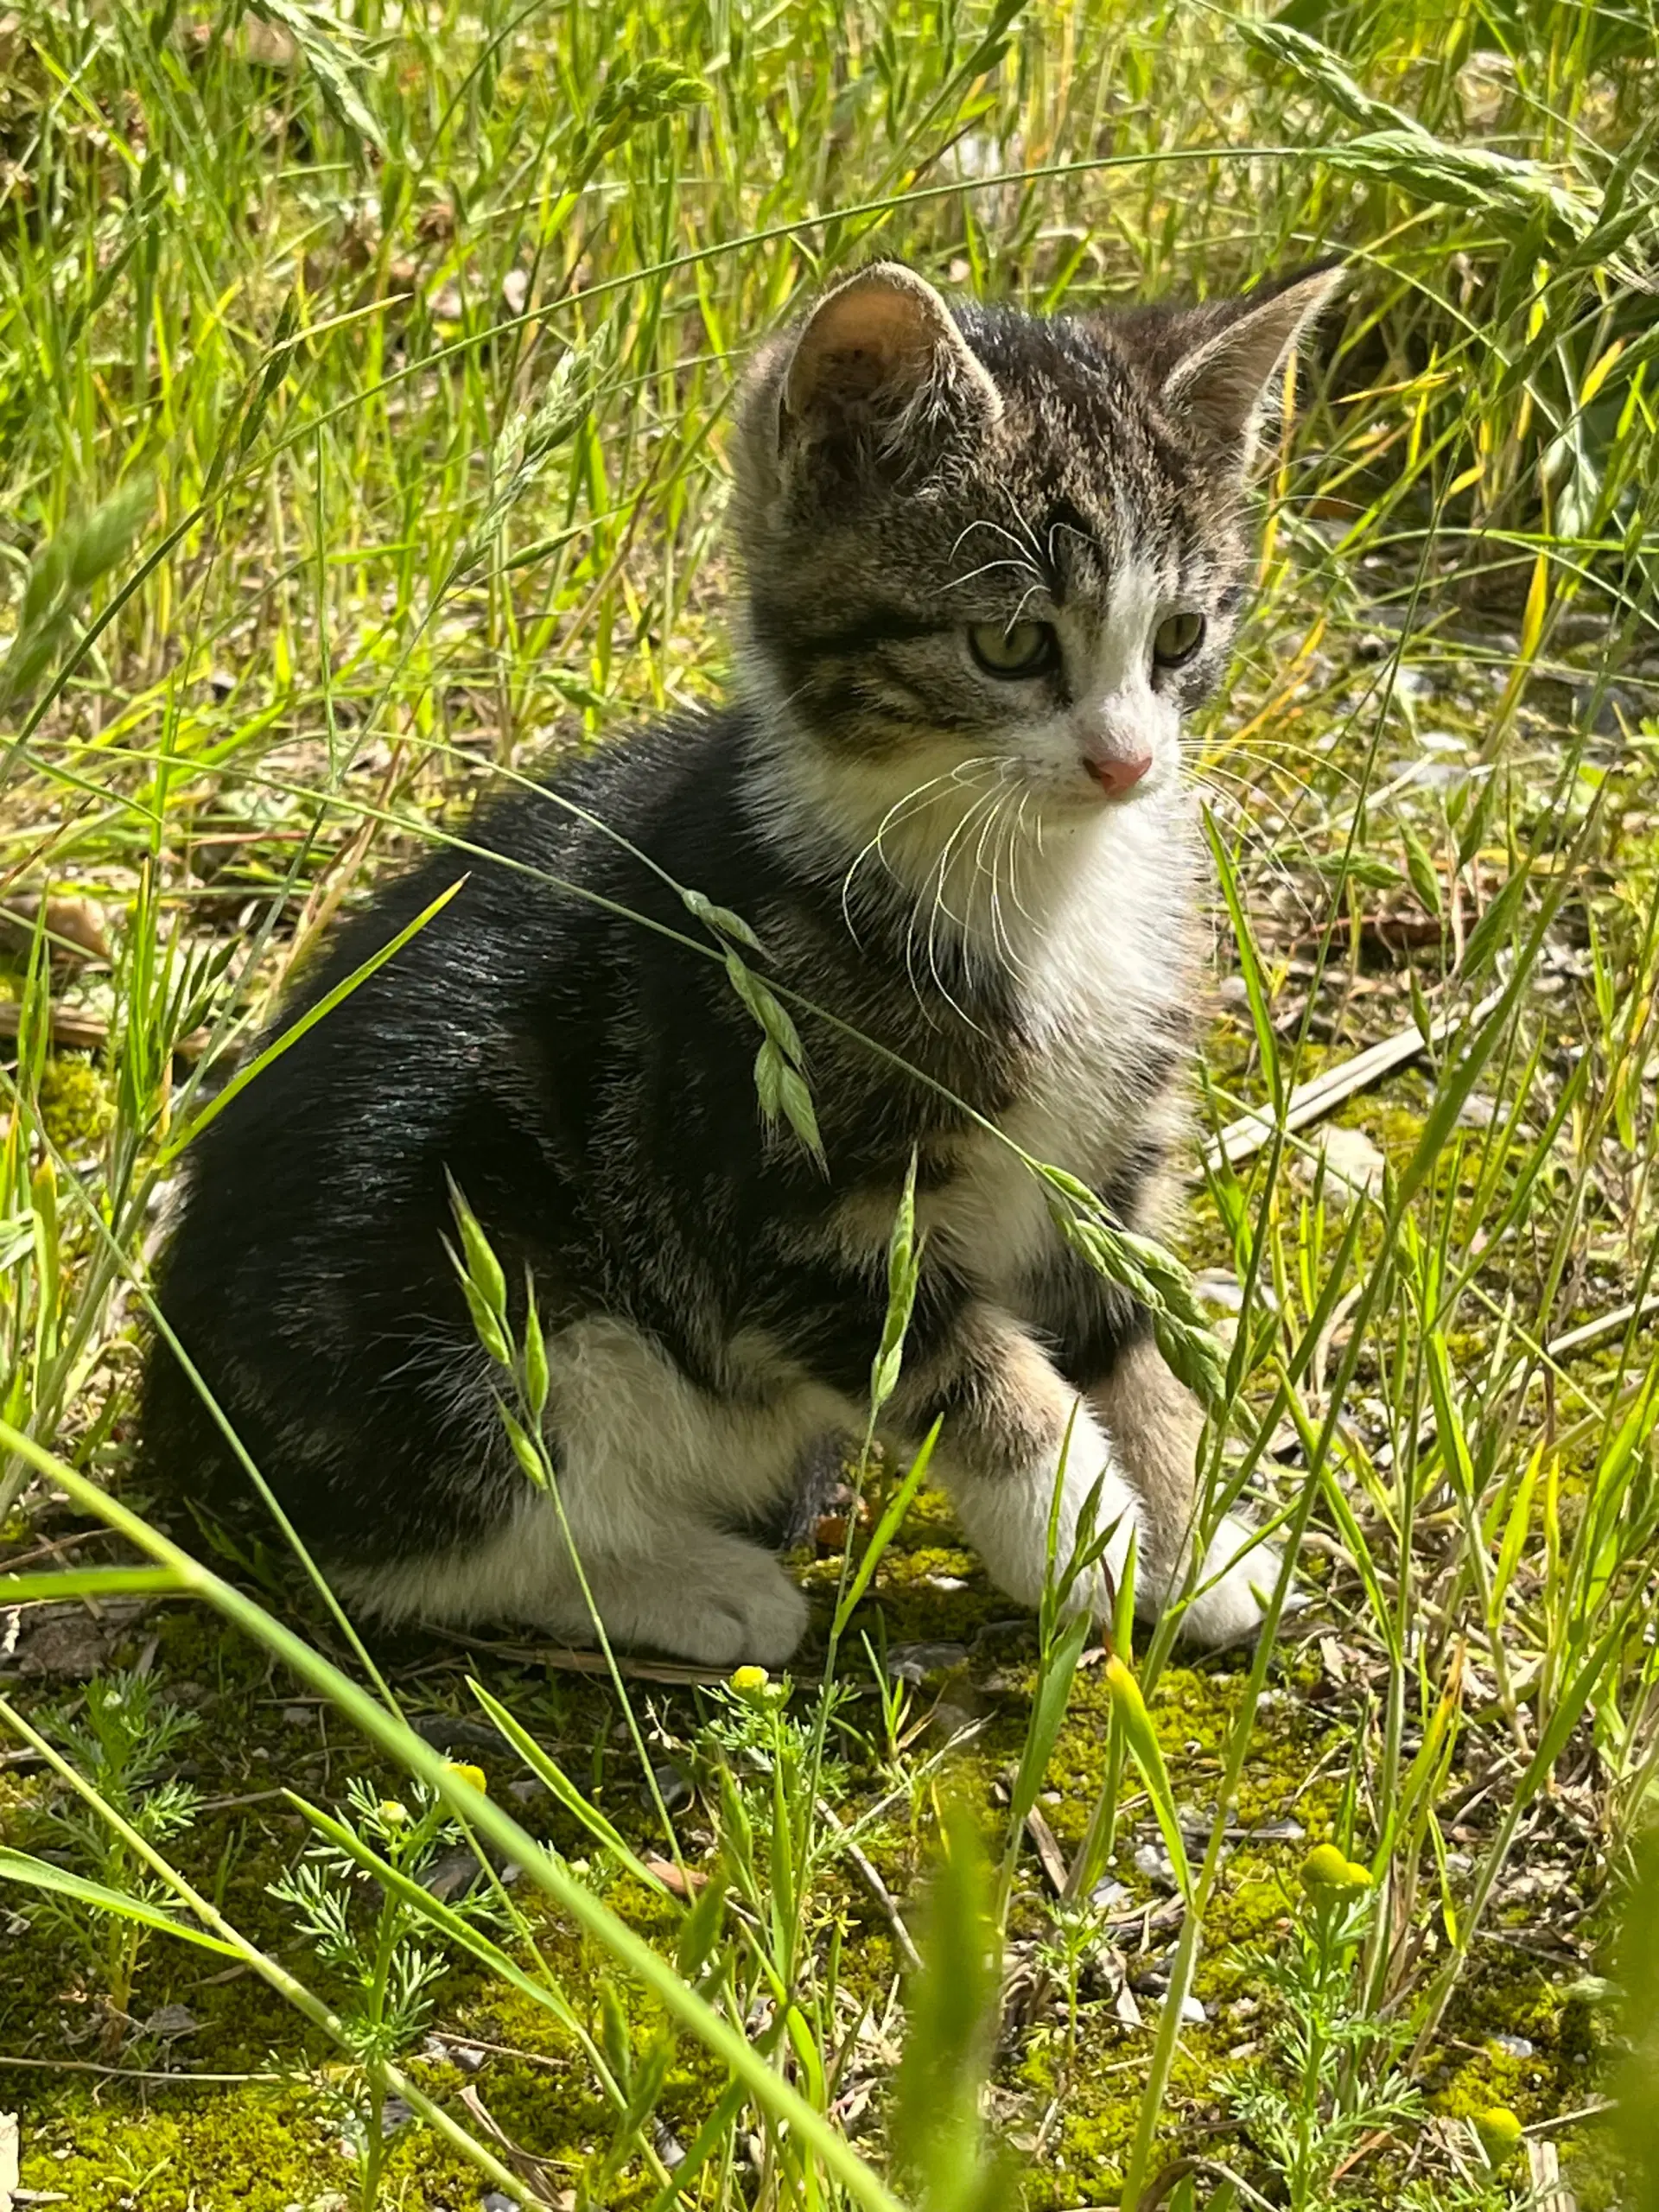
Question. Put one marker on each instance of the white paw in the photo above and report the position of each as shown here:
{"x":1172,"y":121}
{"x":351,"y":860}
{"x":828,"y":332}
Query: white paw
{"x":1233,"y":1589}
{"x":752,"y":1615}
{"x":1006,"y":1519}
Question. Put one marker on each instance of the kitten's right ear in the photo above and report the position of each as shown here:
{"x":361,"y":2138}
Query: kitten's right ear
{"x":881,"y":360}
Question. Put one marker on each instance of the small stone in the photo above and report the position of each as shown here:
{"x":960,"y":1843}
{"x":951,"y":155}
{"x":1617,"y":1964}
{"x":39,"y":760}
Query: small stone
{"x":947,"y":1721}
{"x":394,"y":2115}
{"x":171,"y":2020}
{"x":673,"y":1785}
{"x":1512,"y":2046}
{"x":1351,"y":1160}
{"x":670,"y":2148}
{"x":526,"y":1790}
{"x":1193,"y":2012}
{"x":914,"y":1663}
{"x":454,"y":1732}
{"x":295,"y":1716}
{"x":453,"y":1874}
{"x":1153,"y":1861}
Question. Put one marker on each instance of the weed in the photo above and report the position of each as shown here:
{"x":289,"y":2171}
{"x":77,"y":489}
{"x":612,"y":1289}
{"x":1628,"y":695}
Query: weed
{"x":384,"y":1961}
{"x":122,"y":1735}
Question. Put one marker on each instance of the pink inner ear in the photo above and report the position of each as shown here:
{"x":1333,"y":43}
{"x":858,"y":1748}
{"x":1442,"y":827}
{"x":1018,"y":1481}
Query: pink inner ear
{"x":1231,"y":379}
{"x":874,"y":333}
{"x":854,"y":371}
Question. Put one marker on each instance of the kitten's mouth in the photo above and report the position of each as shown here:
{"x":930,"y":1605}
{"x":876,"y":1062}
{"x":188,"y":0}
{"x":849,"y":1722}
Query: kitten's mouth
{"x":1115,"y":775}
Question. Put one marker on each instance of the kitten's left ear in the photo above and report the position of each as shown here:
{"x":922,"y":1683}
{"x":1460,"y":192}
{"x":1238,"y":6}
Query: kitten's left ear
{"x":1226,"y":384}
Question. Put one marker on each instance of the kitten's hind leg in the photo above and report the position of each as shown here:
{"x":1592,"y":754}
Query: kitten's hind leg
{"x":654,"y":1472}
{"x":691,"y":1591}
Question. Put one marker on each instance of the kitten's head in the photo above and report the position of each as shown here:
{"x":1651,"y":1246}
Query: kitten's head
{"x":982,"y":545}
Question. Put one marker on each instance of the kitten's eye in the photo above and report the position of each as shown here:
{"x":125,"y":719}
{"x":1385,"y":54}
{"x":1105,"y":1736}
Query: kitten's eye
{"x":1177,"y":638}
{"x":1015,"y":648}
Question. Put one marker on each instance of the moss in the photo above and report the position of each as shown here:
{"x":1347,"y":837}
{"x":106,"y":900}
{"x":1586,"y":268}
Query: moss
{"x":76,"y":1107}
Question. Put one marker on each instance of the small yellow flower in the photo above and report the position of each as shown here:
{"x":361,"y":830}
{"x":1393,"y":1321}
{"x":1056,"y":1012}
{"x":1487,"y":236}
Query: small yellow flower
{"x":750,"y":1681}
{"x":473,"y":1774}
{"x":1327,"y":1872}
{"x":394,"y":1814}
{"x":1499,"y":2134}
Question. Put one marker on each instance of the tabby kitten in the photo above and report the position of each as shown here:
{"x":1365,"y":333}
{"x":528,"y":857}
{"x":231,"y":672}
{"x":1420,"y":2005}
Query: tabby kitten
{"x":990,"y":561}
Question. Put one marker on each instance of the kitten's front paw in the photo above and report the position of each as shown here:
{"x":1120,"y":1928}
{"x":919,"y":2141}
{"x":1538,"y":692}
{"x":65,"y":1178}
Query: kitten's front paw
{"x":753,"y":1615}
{"x":1229,"y":1610}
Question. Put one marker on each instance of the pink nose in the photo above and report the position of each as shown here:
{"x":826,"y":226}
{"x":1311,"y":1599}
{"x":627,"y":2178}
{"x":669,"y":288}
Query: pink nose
{"x":1114,"y":774}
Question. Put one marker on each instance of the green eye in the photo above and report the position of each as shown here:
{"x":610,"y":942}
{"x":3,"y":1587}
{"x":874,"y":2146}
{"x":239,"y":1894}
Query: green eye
{"x":1013,"y":649}
{"x":1177,"y":638}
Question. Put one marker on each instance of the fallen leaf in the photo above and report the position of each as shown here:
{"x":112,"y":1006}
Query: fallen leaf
{"x":683,"y":1881}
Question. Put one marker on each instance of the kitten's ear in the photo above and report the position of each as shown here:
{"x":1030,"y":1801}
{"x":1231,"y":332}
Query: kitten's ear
{"x":877,"y":355}
{"x":1226,"y":382}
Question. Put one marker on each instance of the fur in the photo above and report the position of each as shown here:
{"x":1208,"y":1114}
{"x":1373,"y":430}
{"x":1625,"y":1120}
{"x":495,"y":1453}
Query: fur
{"x":992,"y":876}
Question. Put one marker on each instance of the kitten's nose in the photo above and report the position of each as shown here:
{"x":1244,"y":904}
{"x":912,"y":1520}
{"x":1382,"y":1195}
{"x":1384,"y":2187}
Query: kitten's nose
{"x":1116,"y":773}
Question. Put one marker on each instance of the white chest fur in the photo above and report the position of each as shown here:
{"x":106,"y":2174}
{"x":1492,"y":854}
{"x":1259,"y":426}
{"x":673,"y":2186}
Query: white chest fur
{"x":1099,"y":948}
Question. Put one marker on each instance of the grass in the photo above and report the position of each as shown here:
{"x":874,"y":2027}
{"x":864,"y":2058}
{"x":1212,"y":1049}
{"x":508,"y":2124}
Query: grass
{"x":363,"y":389}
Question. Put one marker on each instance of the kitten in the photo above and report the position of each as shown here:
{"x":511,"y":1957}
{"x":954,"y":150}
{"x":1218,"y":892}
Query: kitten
{"x":990,"y":561}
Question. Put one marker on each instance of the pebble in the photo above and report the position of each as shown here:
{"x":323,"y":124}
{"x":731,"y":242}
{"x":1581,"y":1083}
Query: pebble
{"x":914,"y":1663}
{"x":1513,"y":2046}
{"x":1351,"y":1158}
{"x":673,"y":1785}
{"x":670,"y":2148}
{"x":1152,"y":1860}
